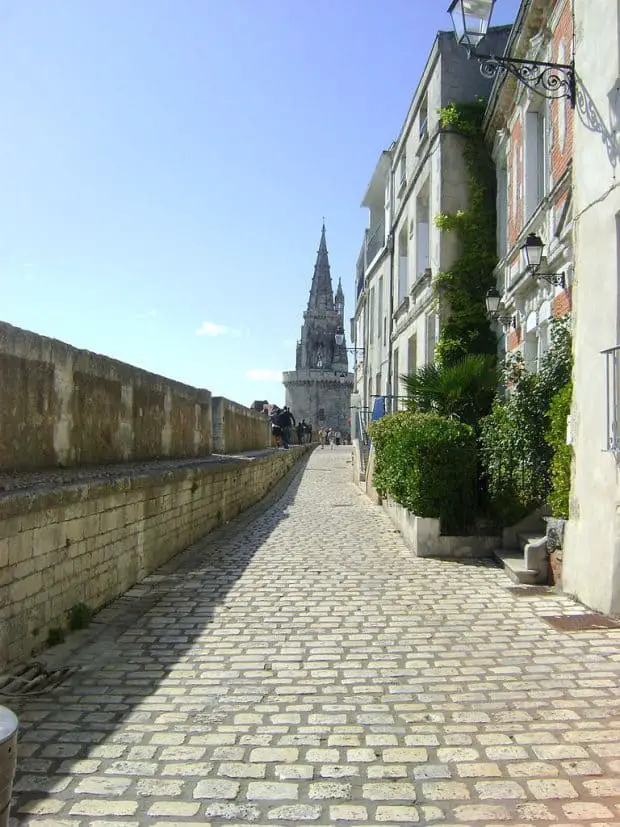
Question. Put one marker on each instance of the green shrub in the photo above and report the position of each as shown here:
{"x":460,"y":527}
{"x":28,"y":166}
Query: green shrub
{"x":515,"y":459}
{"x":428,"y":464}
{"x":79,"y":616}
{"x":559,"y":411}
{"x":516,"y":454}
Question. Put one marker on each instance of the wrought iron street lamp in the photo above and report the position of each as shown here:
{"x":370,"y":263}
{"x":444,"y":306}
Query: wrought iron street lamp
{"x":533,"y":252}
{"x":471,"y":19}
{"x":339,"y":337}
{"x":492,"y":301}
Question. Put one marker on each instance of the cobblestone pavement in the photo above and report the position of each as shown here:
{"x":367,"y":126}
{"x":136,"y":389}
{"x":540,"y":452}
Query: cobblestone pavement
{"x":301,"y":667}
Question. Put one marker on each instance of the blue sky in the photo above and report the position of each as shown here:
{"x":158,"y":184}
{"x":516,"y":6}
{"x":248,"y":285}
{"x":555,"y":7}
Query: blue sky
{"x":165,"y":167}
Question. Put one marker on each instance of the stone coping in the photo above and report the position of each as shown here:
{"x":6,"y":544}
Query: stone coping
{"x":23,"y":492}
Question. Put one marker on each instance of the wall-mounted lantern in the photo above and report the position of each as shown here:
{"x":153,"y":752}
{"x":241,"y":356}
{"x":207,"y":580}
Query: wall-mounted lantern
{"x":493,"y":301}
{"x":339,"y":337}
{"x":533,"y":252}
{"x":471,"y":20}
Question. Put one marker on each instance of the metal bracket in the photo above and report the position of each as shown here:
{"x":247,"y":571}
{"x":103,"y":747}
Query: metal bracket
{"x":551,"y":80}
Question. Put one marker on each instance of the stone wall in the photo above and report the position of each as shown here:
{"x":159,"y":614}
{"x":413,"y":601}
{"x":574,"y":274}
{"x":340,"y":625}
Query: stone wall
{"x":90,"y":543}
{"x":237,"y":428}
{"x":422,"y":535}
{"x":64,"y":406}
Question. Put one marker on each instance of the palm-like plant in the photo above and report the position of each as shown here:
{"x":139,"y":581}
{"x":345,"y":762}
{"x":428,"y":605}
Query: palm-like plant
{"x":464,"y":390}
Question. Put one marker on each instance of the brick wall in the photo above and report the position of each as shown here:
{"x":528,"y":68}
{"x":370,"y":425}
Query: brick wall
{"x":562,"y":112}
{"x":561,"y":134}
{"x":90,"y":543}
{"x":61,"y":405}
{"x":562,"y":303}
{"x":513,"y":339}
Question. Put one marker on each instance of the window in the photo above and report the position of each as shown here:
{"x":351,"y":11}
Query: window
{"x":371,"y":325}
{"x":431,"y":337}
{"x":423,"y":118}
{"x":396,"y":380}
{"x":612,"y":382}
{"x":422,"y":240}
{"x":403,"y":262}
{"x":514,"y":182}
{"x":321,"y":414}
{"x":502,"y":204}
{"x":378,"y":384}
{"x":535,"y":161}
{"x":402,"y":170}
{"x":412,"y":354}
{"x":380,"y":309}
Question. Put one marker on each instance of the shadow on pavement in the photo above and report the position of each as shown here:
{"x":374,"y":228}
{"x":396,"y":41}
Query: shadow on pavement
{"x":128,"y":651}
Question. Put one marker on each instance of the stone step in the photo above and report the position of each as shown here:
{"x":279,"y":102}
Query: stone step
{"x":514,"y":566}
{"x":529,"y":537}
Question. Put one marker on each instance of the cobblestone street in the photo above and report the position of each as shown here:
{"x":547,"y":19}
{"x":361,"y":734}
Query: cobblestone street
{"x":299,"y":666}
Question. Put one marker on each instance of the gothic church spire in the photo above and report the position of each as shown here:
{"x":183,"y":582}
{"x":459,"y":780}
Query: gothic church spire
{"x":339,"y":299}
{"x":321,"y":293}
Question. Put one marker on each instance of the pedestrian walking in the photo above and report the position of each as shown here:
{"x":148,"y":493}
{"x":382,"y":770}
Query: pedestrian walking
{"x":276,"y":428}
{"x":286,"y":421}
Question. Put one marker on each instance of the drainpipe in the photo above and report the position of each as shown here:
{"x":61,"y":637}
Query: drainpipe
{"x":8,"y":761}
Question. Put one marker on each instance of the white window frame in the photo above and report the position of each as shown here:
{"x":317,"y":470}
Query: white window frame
{"x":612,"y":394}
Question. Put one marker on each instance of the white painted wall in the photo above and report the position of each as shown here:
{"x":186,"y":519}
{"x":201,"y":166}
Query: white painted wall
{"x":592,"y":543}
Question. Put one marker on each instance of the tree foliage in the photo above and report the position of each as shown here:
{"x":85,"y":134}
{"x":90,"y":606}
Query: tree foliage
{"x":464,"y":389}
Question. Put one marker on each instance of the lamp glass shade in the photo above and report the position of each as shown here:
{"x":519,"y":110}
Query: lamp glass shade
{"x":492,"y":300}
{"x":471,"y":19}
{"x":339,"y":338}
{"x":533,"y":251}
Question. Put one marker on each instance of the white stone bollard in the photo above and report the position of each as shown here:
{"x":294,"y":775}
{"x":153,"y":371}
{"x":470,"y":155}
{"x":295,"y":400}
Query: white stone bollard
{"x":8,"y":761}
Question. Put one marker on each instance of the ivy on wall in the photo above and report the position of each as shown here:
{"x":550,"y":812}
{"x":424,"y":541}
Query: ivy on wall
{"x":463,"y":288}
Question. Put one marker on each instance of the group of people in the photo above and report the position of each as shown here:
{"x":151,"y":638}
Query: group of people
{"x":282,"y":425}
{"x":330,"y":436}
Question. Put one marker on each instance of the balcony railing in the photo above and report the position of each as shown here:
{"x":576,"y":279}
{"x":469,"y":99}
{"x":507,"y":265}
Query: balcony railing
{"x":375,"y":241}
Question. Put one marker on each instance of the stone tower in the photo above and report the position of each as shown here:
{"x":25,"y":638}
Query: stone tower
{"x":319,"y":389}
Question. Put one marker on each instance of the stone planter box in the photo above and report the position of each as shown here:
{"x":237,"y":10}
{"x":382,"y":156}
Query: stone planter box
{"x":422,"y":535}
{"x":555,"y":543}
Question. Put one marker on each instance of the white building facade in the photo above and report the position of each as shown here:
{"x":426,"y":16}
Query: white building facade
{"x":592,"y":539}
{"x":396,"y":323}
